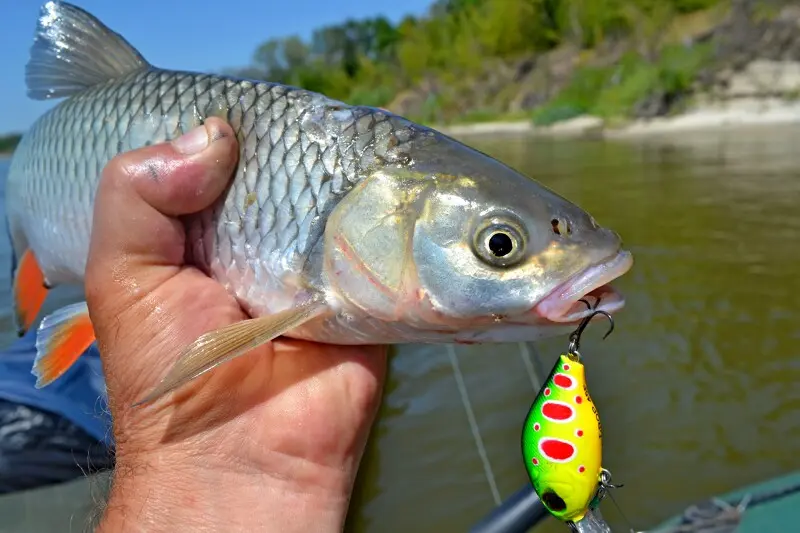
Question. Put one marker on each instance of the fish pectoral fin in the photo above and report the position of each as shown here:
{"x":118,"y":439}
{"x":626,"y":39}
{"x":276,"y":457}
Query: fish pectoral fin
{"x":29,"y":292}
{"x":221,"y":345}
{"x":72,"y":51}
{"x":61,"y":339}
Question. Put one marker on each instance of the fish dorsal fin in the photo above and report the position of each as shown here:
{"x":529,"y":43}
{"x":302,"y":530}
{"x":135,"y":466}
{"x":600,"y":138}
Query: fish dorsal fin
{"x":73,"y":50}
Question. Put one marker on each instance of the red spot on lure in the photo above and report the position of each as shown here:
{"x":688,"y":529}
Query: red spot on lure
{"x":556,"y":449}
{"x":563,"y":381}
{"x":557,"y":411}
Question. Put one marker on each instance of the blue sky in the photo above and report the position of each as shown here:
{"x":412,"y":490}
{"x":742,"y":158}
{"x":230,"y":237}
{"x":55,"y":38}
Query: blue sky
{"x":183,"y":34}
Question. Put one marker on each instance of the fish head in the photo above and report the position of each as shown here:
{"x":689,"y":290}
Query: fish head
{"x":456,"y":241}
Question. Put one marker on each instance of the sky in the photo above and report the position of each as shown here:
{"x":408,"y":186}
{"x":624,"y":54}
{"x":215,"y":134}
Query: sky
{"x":198,"y":35}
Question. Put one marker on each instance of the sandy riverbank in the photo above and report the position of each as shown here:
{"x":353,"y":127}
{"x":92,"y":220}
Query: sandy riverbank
{"x":744,"y":112}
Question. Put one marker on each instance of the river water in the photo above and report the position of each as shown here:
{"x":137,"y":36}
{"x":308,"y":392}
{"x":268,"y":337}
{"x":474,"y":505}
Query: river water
{"x":697,"y":386}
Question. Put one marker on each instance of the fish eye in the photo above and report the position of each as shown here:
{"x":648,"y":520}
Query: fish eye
{"x":499,"y":242}
{"x":554,"y":502}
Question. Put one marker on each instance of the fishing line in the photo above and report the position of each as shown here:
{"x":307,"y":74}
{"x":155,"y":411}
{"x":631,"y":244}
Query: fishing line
{"x":473,"y":423}
{"x":525,"y":349}
{"x":614,"y":501}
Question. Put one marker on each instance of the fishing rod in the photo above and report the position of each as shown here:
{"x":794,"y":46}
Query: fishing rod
{"x":523,"y":511}
{"x":518,"y":514}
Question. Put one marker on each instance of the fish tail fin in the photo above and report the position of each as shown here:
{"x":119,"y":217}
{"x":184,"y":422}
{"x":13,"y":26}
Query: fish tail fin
{"x":29,"y":291}
{"x":73,"y":50}
{"x":61,"y":339}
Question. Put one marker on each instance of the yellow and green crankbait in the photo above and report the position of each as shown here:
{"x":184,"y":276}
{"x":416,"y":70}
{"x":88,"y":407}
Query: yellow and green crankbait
{"x":562,"y":438}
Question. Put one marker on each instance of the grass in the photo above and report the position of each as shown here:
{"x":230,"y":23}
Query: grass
{"x":614,"y":92}
{"x":692,"y":25}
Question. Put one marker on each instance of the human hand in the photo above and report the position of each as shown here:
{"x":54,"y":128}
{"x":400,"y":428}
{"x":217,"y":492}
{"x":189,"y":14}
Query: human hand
{"x":270,"y":441}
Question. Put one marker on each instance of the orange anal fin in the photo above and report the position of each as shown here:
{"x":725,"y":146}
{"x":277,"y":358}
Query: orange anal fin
{"x":29,"y":291}
{"x":61,"y":339}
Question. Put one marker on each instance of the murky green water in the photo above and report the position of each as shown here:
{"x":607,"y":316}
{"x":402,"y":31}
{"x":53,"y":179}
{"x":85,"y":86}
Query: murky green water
{"x":696,"y":386}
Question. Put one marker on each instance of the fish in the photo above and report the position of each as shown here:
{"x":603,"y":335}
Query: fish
{"x":562,"y":442}
{"x":343,"y":224}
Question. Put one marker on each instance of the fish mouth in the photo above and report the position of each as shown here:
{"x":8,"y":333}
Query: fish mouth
{"x":563,"y":304}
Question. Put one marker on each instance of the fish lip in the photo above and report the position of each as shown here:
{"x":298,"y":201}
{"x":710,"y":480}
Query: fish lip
{"x":562,"y":303}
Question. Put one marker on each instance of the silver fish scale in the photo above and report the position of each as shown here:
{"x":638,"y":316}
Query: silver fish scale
{"x":300,"y":152}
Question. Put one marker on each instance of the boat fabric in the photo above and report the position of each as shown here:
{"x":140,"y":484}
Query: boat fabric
{"x":56,"y":433}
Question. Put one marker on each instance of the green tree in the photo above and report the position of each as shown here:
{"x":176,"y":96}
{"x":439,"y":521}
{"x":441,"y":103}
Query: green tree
{"x":369,"y":61}
{"x":8,"y":143}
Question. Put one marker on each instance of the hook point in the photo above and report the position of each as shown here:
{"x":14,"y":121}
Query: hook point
{"x":575,"y":337}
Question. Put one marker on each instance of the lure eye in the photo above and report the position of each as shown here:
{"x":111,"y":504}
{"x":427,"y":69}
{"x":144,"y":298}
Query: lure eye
{"x":554,"y":502}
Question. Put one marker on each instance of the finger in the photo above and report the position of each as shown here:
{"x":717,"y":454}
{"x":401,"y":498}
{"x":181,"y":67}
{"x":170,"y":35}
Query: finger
{"x":139,"y":197}
{"x":175,"y":178}
{"x":138,"y":244}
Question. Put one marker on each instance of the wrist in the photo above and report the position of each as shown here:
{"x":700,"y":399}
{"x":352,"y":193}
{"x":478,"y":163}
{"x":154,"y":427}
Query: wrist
{"x":197,"y":492}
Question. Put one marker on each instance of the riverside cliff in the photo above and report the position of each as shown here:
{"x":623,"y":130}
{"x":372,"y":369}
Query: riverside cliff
{"x":743,"y":69}
{"x":559,"y":66}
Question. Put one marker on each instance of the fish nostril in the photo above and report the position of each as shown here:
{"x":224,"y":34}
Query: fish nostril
{"x":561,"y":226}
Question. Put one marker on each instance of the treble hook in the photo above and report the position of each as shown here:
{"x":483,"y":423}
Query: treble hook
{"x":575,"y":336}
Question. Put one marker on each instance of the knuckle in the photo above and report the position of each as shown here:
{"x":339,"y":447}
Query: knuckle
{"x":115,"y":173}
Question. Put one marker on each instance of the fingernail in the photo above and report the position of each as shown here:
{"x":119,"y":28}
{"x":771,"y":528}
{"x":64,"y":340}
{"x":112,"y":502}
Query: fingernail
{"x":192,"y":142}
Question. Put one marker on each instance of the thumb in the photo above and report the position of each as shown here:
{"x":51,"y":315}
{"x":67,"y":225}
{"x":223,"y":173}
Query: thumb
{"x":137,"y":240}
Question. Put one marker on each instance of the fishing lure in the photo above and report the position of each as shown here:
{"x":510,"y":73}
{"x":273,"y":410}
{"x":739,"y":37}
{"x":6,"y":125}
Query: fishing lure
{"x":562,"y":438}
